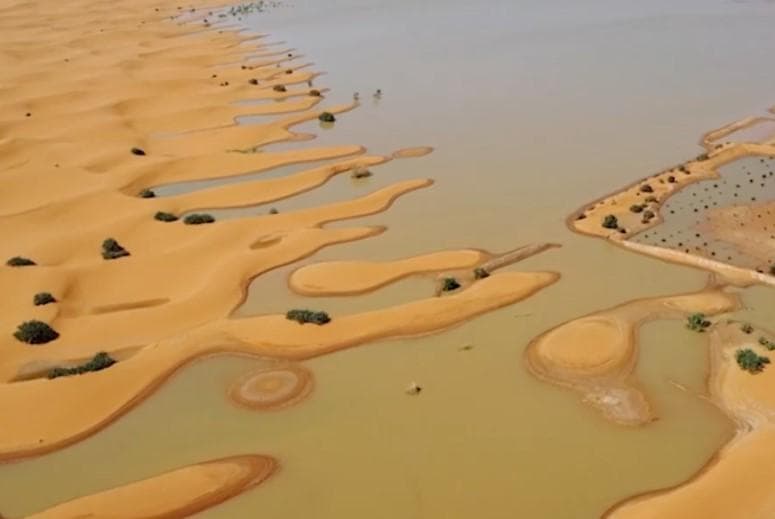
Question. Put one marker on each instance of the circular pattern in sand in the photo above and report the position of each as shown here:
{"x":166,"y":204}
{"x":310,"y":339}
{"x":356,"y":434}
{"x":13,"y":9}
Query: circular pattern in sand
{"x":408,"y":153}
{"x":272,"y":388}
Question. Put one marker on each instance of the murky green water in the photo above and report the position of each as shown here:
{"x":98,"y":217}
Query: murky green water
{"x":534,"y":108}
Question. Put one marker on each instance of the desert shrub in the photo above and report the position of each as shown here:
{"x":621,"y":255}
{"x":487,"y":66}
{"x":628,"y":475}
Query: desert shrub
{"x":35,"y":332}
{"x":697,"y":322}
{"x":636,"y":208}
{"x":648,"y":215}
{"x":671,"y":179}
{"x":314,"y":93}
{"x":651,"y":199}
{"x":772,"y":270}
{"x":279,"y":88}
{"x":253,"y":81}
{"x":19,"y":261}
{"x":307,"y":316}
{"x":43,"y":298}
{"x":198,"y":219}
{"x":480,"y":273}
{"x":746,"y":328}
{"x":273,"y":210}
{"x":360,"y":172}
{"x":99,"y":362}
{"x":764,"y":341}
{"x":327,"y":117}
{"x":165,"y":217}
{"x":449,"y":284}
{"x":748,"y":360}
{"x":111,"y":249}
{"x":146,"y":193}
{"x":610,"y":222}
{"x":702,"y":156}
{"x":138,"y":151}
{"x":645,"y":188}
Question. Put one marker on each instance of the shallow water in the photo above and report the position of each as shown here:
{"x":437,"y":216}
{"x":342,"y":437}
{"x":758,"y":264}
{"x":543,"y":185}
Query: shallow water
{"x":534,"y":108}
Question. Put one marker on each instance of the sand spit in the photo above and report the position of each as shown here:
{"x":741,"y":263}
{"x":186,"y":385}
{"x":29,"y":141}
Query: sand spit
{"x":100,"y":104}
{"x":738,"y":482}
{"x":179,"y":493}
{"x":595,"y":355}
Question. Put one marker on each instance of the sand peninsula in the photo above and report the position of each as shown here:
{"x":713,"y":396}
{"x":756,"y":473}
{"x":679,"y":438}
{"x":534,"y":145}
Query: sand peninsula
{"x":109,"y":287}
{"x":595,"y":354}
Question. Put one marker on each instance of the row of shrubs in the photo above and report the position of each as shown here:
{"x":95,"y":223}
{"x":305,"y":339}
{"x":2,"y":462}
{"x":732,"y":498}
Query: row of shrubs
{"x":99,"y":362}
{"x":303,"y":316}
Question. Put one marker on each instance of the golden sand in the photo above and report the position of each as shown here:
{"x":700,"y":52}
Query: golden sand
{"x":186,"y":491}
{"x":595,"y":355}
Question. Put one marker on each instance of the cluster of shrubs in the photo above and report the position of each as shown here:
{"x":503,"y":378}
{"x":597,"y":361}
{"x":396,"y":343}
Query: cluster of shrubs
{"x":449,"y":284}
{"x":610,"y":222}
{"x":307,"y":316}
{"x":111,"y":249}
{"x":35,"y":332}
{"x":279,"y":88}
{"x":697,"y":322}
{"x":43,"y":298}
{"x":764,"y":341}
{"x":165,"y":217}
{"x":749,"y":361}
{"x":746,"y":328}
{"x":198,"y":219}
{"x":99,"y":362}
{"x":19,"y":261}
{"x":146,"y":193}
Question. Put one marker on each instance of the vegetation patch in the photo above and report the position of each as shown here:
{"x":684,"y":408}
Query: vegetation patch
{"x":480,"y":273}
{"x":165,"y":217}
{"x":43,"y":298}
{"x":764,"y":341}
{"x":146,"y":193}
{"x":749,"y":361}
{"x":449,"y":284}
{"x":111,"y":249}
{"x":138,"y":151}
{"x":307,"y":316}
{"x":610,"y":222}
{"x":19,"y":261}
{"x":327,"y":117}
{"x":697,"y":322}
{"x":636,"y":208}
{"x":314,"y":93}
{"x":198,"y":219}
{"x":279,"y":88}
{"x":746,"y":328}
{"x":99,"y":362}
{"x":35,"y":332}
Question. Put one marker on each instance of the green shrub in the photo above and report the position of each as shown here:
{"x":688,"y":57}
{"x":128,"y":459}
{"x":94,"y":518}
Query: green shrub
{"x":146,"y":193}
{"x":307,"y":316}
{"x":636,"y":208}
{"x":111,"y":249}
{"x":35,"y":332}
{"x":327,"y":117}
{"x":480,"y":273}
{"x":746,"y":328}
{"x":279,"y":88}
{"x":645,"y":188}
{"x":273,"y":210}
{"x":610,"y":222}
{"x":198,"y":219}
{"x":697,"y":322}
{"x":99,"y":362}
{"x":702,"y":156}
{"x":43,"y":298}
{"x":449,"y":284}
{"x":748,"y":360}
{"x":764,"y":341}
{"x":165,"y":217}
{"x":19,"y":261}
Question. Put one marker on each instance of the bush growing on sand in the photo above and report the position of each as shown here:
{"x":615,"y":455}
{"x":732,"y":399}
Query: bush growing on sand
{"x":480,"y":273}
{"x":746,"y":328}
{"x":198,"y":219}
{"x":111,"y":249}
{"x":165,"y":217}
{"x":697,"y":322}
{"x":99,"y":362}
{"x":449,"y":284}
{"x":772,"y":270}
{"x":314,"y":93}
{"x":702,"y":156}
{"x":748,"y":360}
{"x":43,"y":298}
{"x":253,"y":81}
{"x":764,"y":341}
{"x":35,"y":332}
{"x":146,"y":193}
{"x":138,"y":151}
{"x":279,"y":88}
{"x":307,"y":316}
{"x":645,"y":188}
{"x":636,"y":208}
{"x":327,"y":117}
{"x":19,"y":261}
{"x":610,"y":222}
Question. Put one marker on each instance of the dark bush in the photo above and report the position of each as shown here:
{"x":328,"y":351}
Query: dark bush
{"x":279,"y":88}
{"x":648,"y":215}
{"x":19,"y":261}
{"x":361,"y":172}
{"x":146,"y":193}
{"x":165,"y":217}
{"x":746,"y":328}
{"x":651,"y":199}
{"x":764,"y":341}
{"x":314,"y":93}
{"x":480,"y":273}
{"x":327,"y":117}
{"x":636,"y":208}
{"x":671,"y":179}
{"x":138,"y":151}
{"x":772,"y":270}
{"x":610,"y":222}
{"x":111,"y":249}
{"x":253,"y":81}
{"x":35,"y":332}
{"x":43,"y":298}
{"x":702,"y":156}
{"x":307,"y":316}
{"x":697,"y":322}
{"x":99,"y":362}
{"x":748,"y":360}
{"x":645,"y":188}
{"x":273,"y":210}
{"x":449,"y":284}
{"x":198,"y":219}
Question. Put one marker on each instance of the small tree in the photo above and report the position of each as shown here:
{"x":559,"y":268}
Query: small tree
{"x":748,"y":360}
{"x":165,"y":217}
{"x":19,"y":261}
{"x":111,"y":249}
{"x":746,"y":328}
{"x":697,"y":322}
{"x":302,"y":316}
{"x":198,"y":219}
{"x":449,"y":284}
{"x":146,"y":193}
{"x":327,"y":117}
{"x":35,"y":332}
{"x":610,"y":222}
{"x":43,"y":298}
{"x":480,"y":273}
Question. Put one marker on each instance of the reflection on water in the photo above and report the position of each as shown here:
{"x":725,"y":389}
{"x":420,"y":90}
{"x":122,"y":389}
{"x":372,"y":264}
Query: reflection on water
{"x":532,"y":107}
